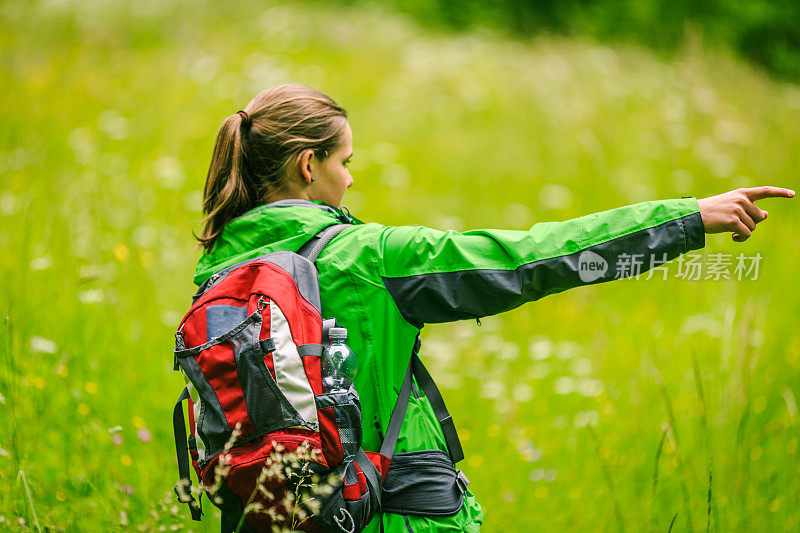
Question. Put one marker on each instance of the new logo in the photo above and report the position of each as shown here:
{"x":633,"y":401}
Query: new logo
{"x":591,"y":266}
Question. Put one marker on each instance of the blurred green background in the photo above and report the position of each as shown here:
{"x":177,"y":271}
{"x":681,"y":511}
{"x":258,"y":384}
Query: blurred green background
{"x":637,"y":405}
{"x":765,"y":31}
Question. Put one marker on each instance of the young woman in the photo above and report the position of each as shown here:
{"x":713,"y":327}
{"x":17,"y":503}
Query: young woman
{"x":277,"y":177}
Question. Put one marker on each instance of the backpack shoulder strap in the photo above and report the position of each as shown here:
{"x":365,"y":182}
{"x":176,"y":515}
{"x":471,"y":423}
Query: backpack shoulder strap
{"x":418,"y":370}
{"x":314,"y":246}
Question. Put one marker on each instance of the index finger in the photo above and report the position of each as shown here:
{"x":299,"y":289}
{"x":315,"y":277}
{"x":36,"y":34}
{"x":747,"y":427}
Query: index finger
{"x":757,"y":193}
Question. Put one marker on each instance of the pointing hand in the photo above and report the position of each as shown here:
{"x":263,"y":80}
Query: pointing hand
{"x":735,"y":211}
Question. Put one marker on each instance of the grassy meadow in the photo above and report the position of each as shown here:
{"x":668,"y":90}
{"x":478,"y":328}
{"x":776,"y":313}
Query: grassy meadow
{"x":637,"y":405}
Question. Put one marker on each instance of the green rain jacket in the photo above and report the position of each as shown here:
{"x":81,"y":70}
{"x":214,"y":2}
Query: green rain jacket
{"x":383,"y":283}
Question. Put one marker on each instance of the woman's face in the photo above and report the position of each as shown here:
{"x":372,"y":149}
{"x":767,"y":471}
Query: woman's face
{"x":331,"y":175}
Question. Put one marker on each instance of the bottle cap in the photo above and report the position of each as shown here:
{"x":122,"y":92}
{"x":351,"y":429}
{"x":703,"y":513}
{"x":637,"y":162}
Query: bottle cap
{"x":338,"y":333}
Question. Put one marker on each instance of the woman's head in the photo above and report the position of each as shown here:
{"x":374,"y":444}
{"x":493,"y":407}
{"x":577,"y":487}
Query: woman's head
{"x":290,"y":141}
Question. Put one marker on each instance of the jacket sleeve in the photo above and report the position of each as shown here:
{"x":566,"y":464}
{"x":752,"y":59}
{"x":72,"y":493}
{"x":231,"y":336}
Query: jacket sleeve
{"x":436,"y":276}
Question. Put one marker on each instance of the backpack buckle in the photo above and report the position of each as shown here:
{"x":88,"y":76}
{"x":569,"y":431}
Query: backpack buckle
{"x":417,"y":345}
{"x":462,"y":481}
{"x":179,"y":345}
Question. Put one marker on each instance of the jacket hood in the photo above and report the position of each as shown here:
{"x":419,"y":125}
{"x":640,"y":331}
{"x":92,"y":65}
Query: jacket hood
{"x":285,"y":225}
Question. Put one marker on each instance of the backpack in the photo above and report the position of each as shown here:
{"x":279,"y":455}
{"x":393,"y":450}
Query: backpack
{"x":268,"y":446}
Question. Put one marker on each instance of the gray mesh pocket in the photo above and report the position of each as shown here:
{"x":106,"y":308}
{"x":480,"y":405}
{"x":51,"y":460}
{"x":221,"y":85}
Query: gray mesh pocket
{"x":348,"y":418}
{"x":267,"y":408}
{"x":205,"y":365}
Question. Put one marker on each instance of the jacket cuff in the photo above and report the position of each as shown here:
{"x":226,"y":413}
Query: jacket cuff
{"x":693,"y":229}
{"x":695,"y":232}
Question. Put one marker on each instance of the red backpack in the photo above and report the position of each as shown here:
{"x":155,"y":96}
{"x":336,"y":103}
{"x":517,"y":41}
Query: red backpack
{"x":268,"y":446}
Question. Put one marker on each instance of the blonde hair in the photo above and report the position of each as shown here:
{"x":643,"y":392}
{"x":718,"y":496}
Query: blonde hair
{"x":255,"y":150}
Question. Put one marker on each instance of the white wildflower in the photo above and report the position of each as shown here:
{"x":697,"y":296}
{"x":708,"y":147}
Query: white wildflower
{"x":42,"y":345}
{"x":91,"y":296}
{"x":41,"y":263}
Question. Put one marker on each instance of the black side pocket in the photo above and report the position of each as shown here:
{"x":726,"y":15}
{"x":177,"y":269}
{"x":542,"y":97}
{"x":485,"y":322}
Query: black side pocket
{"x":423,"y":483}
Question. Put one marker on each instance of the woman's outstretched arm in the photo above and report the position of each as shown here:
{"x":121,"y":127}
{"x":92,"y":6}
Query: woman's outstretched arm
{"x":436,"y":276}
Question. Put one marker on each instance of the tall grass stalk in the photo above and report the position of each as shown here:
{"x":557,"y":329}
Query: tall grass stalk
{"x":706,"y":439}
{"x":29,"y":499}
{"x":672,"y":523}
{"x":654,"y":487}
{"x":10,"y":386}
{"x":609,"y":480}
{"x":681,"y":469}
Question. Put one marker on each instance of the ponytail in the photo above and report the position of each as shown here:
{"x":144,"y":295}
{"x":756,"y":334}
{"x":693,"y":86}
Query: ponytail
{"x":226,"y":194}
{"x":256,"y":149}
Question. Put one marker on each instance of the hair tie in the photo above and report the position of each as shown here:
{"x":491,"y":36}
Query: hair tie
{"x":245,"y":118}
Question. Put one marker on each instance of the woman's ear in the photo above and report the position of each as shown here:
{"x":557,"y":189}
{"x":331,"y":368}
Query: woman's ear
{"x":306,"y":166}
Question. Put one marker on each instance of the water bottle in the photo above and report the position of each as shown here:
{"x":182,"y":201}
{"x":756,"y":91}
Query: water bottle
{"x":338,"y":363}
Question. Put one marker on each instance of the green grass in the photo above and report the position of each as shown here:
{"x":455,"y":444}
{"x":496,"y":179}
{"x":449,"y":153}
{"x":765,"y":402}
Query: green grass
{"x":588,"y":414}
